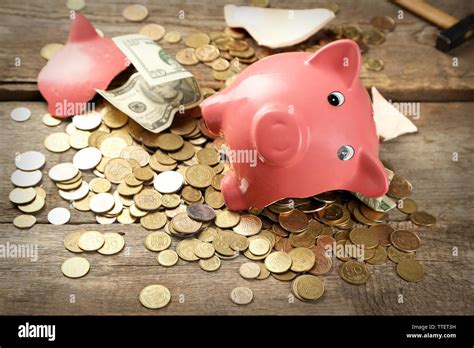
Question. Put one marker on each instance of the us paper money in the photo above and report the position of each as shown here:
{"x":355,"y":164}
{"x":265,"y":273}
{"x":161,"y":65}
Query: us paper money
{"x":154,"y":94}
{"x":153,"y":107}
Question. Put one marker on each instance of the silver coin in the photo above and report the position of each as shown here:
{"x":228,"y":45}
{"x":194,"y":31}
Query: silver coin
{"x":20,"y":114}
{"x":59,"y":216}
{"x":168,"y":182}
{"x":63,"y":172}
{"x":75,"y":195}
{"x":88,"y":121}
{"x":30,"y":160}
{"x":21,"y":178}
{"x":87,"y":158}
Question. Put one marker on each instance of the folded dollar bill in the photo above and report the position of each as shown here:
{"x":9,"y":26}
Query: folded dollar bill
{"x":382,"y":204}
{"x":160,"y":88}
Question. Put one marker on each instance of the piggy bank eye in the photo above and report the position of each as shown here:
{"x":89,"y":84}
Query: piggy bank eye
{"x":345,"y":152}
{"x":336,"y":99}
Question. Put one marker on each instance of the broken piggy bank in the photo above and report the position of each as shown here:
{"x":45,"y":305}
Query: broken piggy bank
{"x":306,"y":119}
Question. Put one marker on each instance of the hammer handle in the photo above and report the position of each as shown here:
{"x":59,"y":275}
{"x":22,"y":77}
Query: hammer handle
{"x":428,"y":12}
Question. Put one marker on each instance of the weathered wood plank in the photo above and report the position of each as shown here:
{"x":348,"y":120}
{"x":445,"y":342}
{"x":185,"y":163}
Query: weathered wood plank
{"x":414,"y":69}
{"x":113,"y":283}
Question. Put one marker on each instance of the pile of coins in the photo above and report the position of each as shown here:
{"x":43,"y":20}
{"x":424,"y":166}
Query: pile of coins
{"x":170,"y":183}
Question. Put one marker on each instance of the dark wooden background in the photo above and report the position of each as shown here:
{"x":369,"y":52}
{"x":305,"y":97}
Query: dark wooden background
{"x":414,"y":72}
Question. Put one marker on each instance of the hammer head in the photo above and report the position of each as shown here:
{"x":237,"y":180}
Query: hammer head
{"x":455,"y":35}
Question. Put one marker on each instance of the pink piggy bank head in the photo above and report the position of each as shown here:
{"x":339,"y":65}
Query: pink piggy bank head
{"x":295,"y":125}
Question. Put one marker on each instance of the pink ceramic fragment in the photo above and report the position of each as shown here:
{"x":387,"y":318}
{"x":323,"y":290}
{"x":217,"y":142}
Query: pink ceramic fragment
{"x":85,"y":63}
{"x":308,"y":120}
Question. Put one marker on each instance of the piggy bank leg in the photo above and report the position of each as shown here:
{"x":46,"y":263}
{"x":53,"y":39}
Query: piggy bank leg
{"x":230,"y":188}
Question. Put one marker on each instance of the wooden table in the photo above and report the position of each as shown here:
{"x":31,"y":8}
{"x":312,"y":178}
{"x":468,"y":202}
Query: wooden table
{"x":414,"y":72}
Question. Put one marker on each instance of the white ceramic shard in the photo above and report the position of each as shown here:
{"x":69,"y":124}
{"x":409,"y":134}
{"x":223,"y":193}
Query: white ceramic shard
{"x":273,"y":27}
{"x":389,"y":121}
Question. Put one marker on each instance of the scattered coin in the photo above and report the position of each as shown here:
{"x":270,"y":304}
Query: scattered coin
{"x":20,"y":114}
{"x":102,"y":202}
{"x":201,"y":212}
{"x":21,"y":178}
{"x":308,"y":287}
{"x":75,"y":5}
{"x":167,"y":258}
{"x":30,"y":160}
{"x":59,"y":216}
{"x":75,"y":267}
{"x":172,"y":37}
{"x":211,"y":264}
{"x":407,"y":206}
{"x":24,"y":221}
{"x":354,"y":272}
{"x":155,"y":296}
{"x":62,"y":172}
{"x":135,"y":13}
{"x":278,"y":262}
{"x":157,"y":241}
{"x":91,"y":241}
{"x":186,"y":56}
{"x":196,"y":40}
{"x":168,"y":182}
{"x":406,"y":241}
{"x":22,"y":195}
{"x":113,"y":244}
{"x":241,"y":295}
{"x":153,"y":31}
{"x":383,"y":23}
{"x":50,"y":120}
{"x":71,"y":241}
{"x":374,"y":64}
{"x":410,"y":270}
{"x":422,"y":218}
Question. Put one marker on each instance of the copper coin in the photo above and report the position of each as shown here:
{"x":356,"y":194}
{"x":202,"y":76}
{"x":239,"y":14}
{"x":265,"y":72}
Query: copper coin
{"x":293,"y":221}
{"x":372,"y":214}
{"x":326,"y":242}
{"x":407,"y":241}
{"x":201,"y":212}
{"x":383,"y":232}
{"x":322,"y":265}
{"x":399,"y":187}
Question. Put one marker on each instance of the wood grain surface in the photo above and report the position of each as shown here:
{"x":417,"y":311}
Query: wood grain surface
{"x":442,"y":187}
{"x":414,"y":69}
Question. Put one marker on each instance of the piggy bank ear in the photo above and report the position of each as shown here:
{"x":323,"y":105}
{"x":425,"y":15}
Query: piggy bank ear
{"x":276,"y":135}
{"x":342,"y":57}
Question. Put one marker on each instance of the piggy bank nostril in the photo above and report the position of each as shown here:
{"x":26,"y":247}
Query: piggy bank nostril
{"x":345,"y":152}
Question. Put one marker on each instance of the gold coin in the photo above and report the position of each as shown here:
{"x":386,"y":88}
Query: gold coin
{"x":227,"y":219}
{"x":36,"y":205}
{"x":24,"y":221}
{"x":422,"y":218}
{"x":157,"y":241}
{"x":130,"y":180}
{"x":153,"y":31}
{"x":302,"y":259}
{"x":396,"y":255}
{"x":137,"y":213}
{"x":125,"y":190}
{"x":249,"y":270}
{"x":144,"y":174}
{"x":380,"y":256}
{"x":79,"y":139}
{"x":135,"y":13}
{"x":191,"y":195}
{"x":57,"y":142}
{"x":365,"y":237}
{"x":112,"y":146}
{"x":284,"y":277}
{"x":154,"y":221}
{"x":406,"y":241}
{"x":155,"y":296}
{"x":173,"y":36}
{"x":185,"y":153}
{"x":383,"y":23}
{"x":407,"y":206}
{"x":167,"y":258}
{"x":354,"y":272}
{"x":113,"y":244}
{"x":22,"y":195}
{"x":206,"y":53}
{"x":100,"y":185}
{"x":234,"y":33}
{"x":215,"y":199}
{"x":410,"y":270}
{"x":137,"y":153}
{"x":75,"y":5}
{"x":373,"y":36}
{"x":182,"y":223}
{"x":114,"y":118}
{"x":49,"y":50}
{"x":91,"y":241}
{"x":278,"y":262}
{"x":248,"y":225}
{"x":197,"y":39}
{"x":211,"y":264}
{"x":170,"y":200}
{"x":204,"y":250}
{"x":207,"y":235}
{"x":169,"y":141}
{"x":75,"y":267}
{"x":241,"y":295}
{"x":199,"y":175}
{"x":185,"y":249}
{"x":117,"y":169}
{"x":71,"y":241}
{"x":222,"y":75}
{"x":84,"y":204}
{"x":259,"y":246}
{"x":309,"y":287}
{"x":125,"y":217}
{"x":50,"y":120}
{"x":187,"y":57}
{"x":208,"y":156}
{"x":220,"y":64}
{"x":264,"y":272}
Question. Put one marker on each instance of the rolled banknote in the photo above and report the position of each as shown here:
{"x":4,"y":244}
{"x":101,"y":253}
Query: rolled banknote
{"x":160,"y":88}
